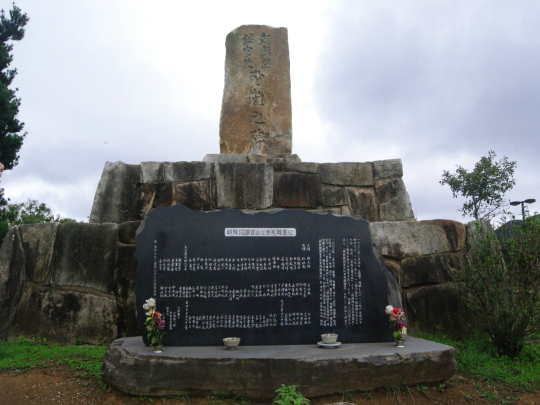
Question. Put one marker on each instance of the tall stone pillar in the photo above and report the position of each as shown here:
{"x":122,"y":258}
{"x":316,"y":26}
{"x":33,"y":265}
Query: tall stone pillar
{"x":256,"y":113}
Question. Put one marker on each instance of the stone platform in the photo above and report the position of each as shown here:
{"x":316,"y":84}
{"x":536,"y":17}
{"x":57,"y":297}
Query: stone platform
{"x":256,"y":372}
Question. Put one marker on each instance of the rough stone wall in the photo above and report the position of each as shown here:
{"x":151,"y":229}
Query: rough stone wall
{"x":373,"y":190}
{"x":68,"y":281}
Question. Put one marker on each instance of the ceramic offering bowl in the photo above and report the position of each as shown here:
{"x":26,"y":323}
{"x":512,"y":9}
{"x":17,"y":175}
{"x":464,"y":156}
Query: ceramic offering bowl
{"x":329,"y":338}
{"x":231,"y":342}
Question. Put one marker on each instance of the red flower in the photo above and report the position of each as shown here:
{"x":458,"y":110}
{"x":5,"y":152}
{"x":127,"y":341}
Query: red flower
{"x":396,"y":314}
{"x":157,"y":315}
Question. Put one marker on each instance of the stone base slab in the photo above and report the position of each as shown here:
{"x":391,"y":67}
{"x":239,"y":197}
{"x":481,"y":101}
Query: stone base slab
{"x":255,"y":372}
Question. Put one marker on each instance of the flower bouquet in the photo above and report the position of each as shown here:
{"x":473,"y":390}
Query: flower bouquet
{"x":396,"y":322}
{"x":154,"y":324}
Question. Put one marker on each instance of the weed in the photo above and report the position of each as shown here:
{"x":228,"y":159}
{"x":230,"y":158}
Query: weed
{"x":368,"y":396}
{"x":489,"y":395}
{"x":221,"y":395}
{"x":78,"y":342}
{"x":243,"y":400}
{"x":423,"y":389}
{"x":287,"y":395}
{"x":178,"y":396}
{"x":441,"y":387}
{"x":409,"y":393}
{"x":347,"y":397}
{"x":217,"y":397}
{"x":393,"y":392}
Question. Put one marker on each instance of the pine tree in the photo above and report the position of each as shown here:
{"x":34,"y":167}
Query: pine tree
{"x":11,"y":29}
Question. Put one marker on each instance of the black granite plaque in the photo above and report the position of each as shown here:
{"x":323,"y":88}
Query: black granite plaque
{"x":269,"y":278}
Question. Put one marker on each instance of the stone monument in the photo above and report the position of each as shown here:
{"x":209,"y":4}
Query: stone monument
{"x":256,"y":116}
{"x":270,"y":278}
{"x":77,"y":280}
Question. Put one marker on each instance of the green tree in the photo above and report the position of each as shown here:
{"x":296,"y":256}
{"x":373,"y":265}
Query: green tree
{"x":27,"y":213}
{"x":484,"y":187}
{"x":11,"y":29}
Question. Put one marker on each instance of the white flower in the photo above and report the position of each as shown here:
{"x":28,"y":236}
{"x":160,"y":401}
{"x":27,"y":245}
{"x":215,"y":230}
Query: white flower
{"x":146,"y":307}
{"x":151,"y":302}
{"x":404,"y":331}
{"x":389,"y":309}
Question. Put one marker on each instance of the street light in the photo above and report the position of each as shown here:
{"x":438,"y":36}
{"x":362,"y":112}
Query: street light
{"x":528,"y":201}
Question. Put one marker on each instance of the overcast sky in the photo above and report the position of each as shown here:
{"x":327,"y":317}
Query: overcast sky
{"x":436,"y":84}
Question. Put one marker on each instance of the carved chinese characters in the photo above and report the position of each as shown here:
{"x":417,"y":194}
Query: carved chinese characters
{"x":281,"y":278}
{"x":256,"y":116}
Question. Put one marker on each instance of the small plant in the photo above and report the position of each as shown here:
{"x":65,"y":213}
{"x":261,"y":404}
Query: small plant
{"x":221,"y":395}
{"x":217,"y":397}
{"x":396,"y":322}
{"x":489,"y":395}
{"x":242,"y":400}
{"x":368,"y":396}
{"x":409,"y":393}
{"x":153,"y":322}
{"x":423,"y":389}
{"x":287,"y":395}
{"x":441,"y":387}
{"x":347,"y":397}
{"x":393,"y":392}
{"x":184,"y":397}
{"x":78,"y":342}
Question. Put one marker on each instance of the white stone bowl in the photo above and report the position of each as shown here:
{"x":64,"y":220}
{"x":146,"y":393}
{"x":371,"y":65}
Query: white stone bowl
{"x":231,"y":342}
{"x":329,"y":338}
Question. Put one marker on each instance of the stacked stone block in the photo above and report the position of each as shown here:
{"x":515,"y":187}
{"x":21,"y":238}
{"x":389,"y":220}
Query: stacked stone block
{"x":373,"y":190}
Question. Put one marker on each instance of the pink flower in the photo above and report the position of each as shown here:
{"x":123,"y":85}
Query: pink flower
{"x":161,"y":324}
{"x":396,"y":314}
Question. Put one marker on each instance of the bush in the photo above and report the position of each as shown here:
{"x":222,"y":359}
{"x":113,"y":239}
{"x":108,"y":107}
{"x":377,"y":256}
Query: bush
{"x":501,"y":284}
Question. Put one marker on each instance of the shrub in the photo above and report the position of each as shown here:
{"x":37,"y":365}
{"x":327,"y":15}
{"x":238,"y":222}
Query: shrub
{"x":501,"y":284}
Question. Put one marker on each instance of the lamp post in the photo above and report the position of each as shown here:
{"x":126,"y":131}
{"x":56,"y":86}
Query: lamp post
{"x":528,"y":201}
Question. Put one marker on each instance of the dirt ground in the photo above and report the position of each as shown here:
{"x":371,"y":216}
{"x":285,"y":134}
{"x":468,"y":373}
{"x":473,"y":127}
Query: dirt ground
{"x":60,"y":385}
